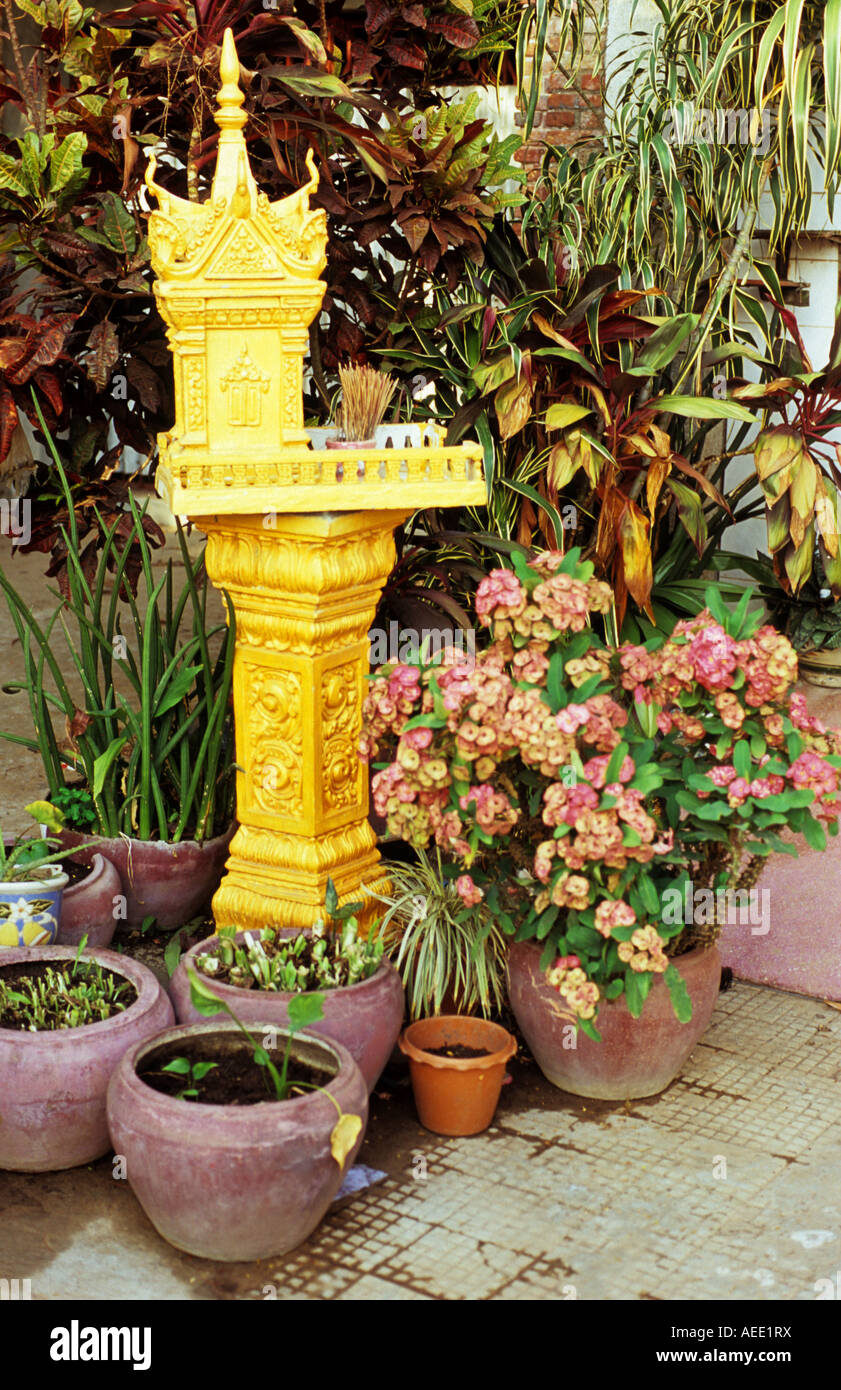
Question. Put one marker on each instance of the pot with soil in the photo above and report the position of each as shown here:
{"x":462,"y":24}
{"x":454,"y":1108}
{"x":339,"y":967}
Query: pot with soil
{"x":365,"y":1017}
{"x":637,"y":1056}
{"x":54,"y":1080}
{"x":232,"y":1173}
{"x":171,"y":882}
{"x":457,"y":1066}
{"x":87,"y":905}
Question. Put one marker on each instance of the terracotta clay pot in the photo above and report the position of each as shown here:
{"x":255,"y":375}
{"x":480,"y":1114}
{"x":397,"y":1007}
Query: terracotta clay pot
{"x":456,"y":1095}
{"x":365,"y":1018}
{"x":637,"y":1056}
{"x":170,"y":882}
{"x":234,"y":1182}
{"x":87,"y":907}
{"x":53,"y":1084}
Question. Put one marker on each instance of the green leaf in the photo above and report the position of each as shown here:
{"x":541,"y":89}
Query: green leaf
{"x":814,"y":833}
{"x":202,"y":998}
{"x":704,"y":408}
{"x":179,"y":1066}
{"x":637,"y":985}
{"x":118,"y":225}
{"x":66,"y":161}
{"x":201,"y":1069}
{"x":46,"y":814}
{"x":564,"y":413}
{"x":103,"y":763}
{"x":676,"y":985}
{"x":304,"y":1009}
{"x":742,"y":759}
{"x":10,"y":177}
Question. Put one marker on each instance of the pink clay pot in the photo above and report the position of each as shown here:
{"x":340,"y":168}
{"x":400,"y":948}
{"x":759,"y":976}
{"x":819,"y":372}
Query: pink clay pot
{"x":53,"y":1085}
{"x":170,"y":882}
{"x":87,"y":908}
{"x":637,"y":1056}
{"x":366,"y":1018}
{"x":234,"y":1182}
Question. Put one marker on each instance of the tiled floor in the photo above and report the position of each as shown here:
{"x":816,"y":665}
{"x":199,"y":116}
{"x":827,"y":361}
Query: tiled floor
{"x":728,"y":1186}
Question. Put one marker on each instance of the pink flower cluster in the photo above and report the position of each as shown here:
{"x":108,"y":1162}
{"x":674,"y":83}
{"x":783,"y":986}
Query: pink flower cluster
{"x":469,"y":892}
{"x":389,"y":704}
{"x":567,"y":977}
{"x":644,"y":951}
{"x":560,"y":603}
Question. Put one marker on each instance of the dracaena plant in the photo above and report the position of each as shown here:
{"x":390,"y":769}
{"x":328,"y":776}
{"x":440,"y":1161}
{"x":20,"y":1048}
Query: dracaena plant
{"x":87,"y":94}
{"x":797,"y":463}
{"x":597,"y":782}
{"x":572,"y":391}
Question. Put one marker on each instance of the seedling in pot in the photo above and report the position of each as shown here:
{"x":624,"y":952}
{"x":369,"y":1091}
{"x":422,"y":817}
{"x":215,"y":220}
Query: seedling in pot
{"x":194,"y":1072}
{"x":303,"y":1011}
{"x":327,"y":958}
{"x":64,"y":998}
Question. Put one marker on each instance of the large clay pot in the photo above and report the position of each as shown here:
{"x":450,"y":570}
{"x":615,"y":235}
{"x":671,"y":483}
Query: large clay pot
{"x":456,"y":1095}
{"x":87,"y":907}
{"x":170,"y":882}
{"x":637,"y":1056}
{"x":234,"y":1182}
{"x":53,"y":1084}
{"x":365,"y":1018}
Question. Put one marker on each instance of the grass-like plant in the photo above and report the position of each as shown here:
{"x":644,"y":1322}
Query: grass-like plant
{"x":152,"y":733}
{"x":64,"y":996}
{"x":438,"y":943}
{"x":366,"y":395}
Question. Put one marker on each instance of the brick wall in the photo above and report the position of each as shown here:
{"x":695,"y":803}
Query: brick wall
{"x":565,"y":115}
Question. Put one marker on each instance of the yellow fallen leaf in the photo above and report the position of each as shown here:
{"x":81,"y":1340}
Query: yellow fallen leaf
{"x":344,"y":1135}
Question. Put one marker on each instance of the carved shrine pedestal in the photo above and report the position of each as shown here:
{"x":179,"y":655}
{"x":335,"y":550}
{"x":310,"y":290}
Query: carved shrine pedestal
{"x":301,"y":538}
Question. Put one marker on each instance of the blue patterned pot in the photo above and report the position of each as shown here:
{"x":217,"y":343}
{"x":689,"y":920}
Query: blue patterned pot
{"x":30,"y":908}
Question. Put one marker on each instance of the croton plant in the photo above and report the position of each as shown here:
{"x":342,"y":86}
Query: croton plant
{"x":585,"y":788}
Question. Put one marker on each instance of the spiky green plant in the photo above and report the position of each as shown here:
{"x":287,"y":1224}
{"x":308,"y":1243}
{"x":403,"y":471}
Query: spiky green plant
{"x":439,"y":944}
{"x":152,"y":732}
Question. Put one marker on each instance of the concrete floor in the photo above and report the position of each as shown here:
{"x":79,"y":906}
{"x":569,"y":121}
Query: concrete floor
{"x":728,"y":1186}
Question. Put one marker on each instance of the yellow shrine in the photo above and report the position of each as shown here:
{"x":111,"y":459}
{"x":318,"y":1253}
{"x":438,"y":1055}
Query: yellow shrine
{"x":301,"y":538}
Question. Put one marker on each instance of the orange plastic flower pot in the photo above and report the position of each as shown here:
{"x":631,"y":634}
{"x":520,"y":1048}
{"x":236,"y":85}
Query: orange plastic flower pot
{"x":456,"y":1095}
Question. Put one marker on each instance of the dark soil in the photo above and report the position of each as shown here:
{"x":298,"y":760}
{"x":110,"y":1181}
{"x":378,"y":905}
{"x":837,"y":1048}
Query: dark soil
{"x":36,"y":970}
{"x":235,"y":1080}
{"x":457,"y":1050}
{"x":75,"y":872}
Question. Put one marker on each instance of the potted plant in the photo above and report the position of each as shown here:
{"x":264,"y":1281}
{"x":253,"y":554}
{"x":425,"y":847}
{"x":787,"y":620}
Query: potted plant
{"x":232,"y":1156}
{"x":261,"y":975}
{"x":32,"y":881}
{"x":611,"y":792}
{"x":457,"y":1066}
{"x":443,"y":939}
{"x":66,"y":1017}
{"x":151,"y":738}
